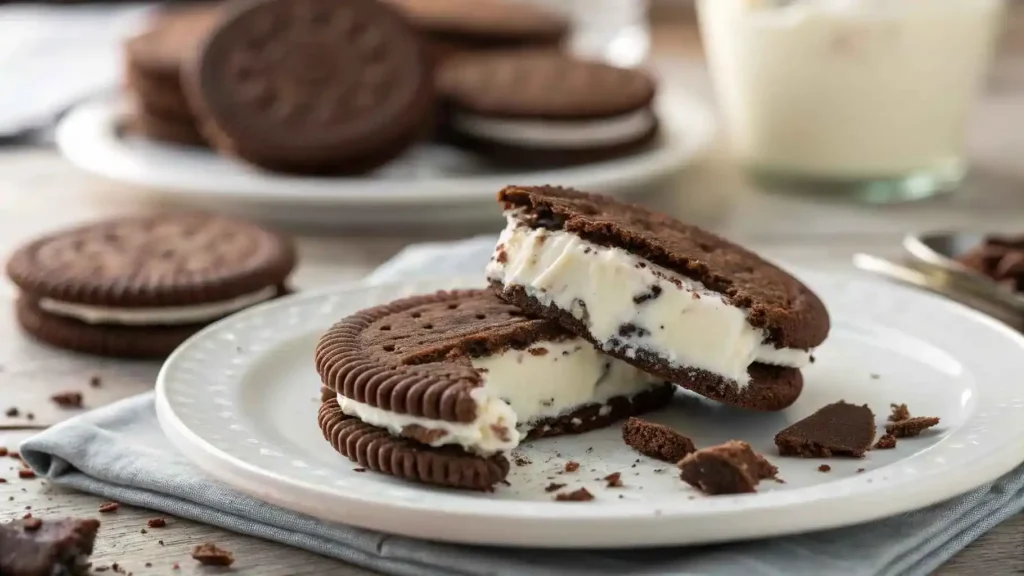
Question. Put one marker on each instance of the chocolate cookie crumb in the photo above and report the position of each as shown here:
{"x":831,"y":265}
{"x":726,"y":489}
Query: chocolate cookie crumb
{"x":3,"y":452}
{"x":69,"y":399}
{"x":730,"y":468}
{"x":614,"y":480}
{"x":33,"y":547}
{"x":824,"y":468}
{"x":210,"y":554}
{"x":911,"y":426}
{"x":521,"y":460}
{"x":656,"y":440}
{"x":886,"y":442}
{"x":859,"y":470}
{"x":581,"y":495}
{"x":156,"y":522}
{"x":839,"y":429}
{"x":95,"y":381}
{"x":26,"y":473}
{"x":109,"y":507}
{"x":12,"y":412}
{"x":554,"y":487}
{"x":32,"y":524}
{"x":899,"y":412}
{"x":572,"y":466}
{"x":143,"y":531}
{"x":359,"y":469}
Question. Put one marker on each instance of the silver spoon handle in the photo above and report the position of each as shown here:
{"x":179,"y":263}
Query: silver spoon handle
{"x":936,"y":285}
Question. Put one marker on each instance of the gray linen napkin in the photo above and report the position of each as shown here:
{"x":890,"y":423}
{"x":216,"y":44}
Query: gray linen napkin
{"x":119,"y":452}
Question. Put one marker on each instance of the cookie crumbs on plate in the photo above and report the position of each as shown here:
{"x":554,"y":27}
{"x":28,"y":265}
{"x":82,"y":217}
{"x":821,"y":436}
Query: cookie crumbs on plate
{"x":581,"y":495}
{"x":210,"y":554}
{"x":886,"y":442}
{"x":911,"y":427}
{"x":656,"y":440}
{"x":521,"y":460}
{"x":824,"y":468}
{"x":572,"y":466}
{"x":554,"y":487}
{"x":109,"y":507}
{"x":68,"y":399}
{"x":614,"y":480}
{"x":899,"y":412}
{"x":730,"y":468}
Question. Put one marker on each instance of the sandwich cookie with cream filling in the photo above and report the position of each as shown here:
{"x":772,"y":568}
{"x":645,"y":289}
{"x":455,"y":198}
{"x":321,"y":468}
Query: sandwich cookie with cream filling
{"x":545,"y":108}
{"x":139,"y":286}
{"x":467,"y":374}
{"x":667,"y":297}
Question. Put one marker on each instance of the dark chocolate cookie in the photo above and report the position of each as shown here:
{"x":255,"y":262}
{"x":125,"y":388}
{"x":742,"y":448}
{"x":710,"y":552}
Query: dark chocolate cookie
{"x":839,"y":429}
{"x":381,"y":452}
{"x":137,"y":286}
{"x":464,"y":26}
{"x":455,"y":358}
{"x":541,"y":107}
{"x":367,"y":97}
{"x":45,"y":547}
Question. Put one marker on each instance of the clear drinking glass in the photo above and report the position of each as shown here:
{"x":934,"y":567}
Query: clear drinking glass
{"x":615,"y":31}
{"x":863,"y":97}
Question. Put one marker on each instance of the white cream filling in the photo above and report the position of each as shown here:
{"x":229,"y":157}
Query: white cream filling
{"x":156,"y":316}
{"x":557,"y":133}
{"x":519,"y":388}
{"x":684,"y":322}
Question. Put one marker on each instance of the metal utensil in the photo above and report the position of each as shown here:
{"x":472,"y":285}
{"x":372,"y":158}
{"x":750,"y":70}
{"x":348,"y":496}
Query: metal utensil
{"x":937,"y":283}
{"x":939,"y":251}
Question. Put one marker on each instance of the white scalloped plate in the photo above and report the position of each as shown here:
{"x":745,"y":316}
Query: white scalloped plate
{"x":240,"y":399}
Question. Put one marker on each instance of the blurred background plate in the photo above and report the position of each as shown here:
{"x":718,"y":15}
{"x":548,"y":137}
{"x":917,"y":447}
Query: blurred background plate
{"x":431,"y":184}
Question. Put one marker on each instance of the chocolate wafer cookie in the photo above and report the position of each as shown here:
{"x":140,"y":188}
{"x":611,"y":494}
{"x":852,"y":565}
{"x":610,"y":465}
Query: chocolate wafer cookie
{"x":465,"y":369}
{"x":139,"y":286}
{"x":153,"y":61}
{"x":377,"y":450}
{"x":670,"y":298}
{"x":312,"y":86}
{"x":455,"y":27}
{"x":545,"y":108}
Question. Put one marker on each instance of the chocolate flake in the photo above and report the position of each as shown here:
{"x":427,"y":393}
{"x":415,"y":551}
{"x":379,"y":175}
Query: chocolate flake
{"x":899,"y":412}
{"x":581,"y":495}
{"x":554,"y":487}
{"x":656,"y":440}
{"x":886,"y":442}
{"x":210,"y":554}
{"x":572,"y":466}
{"x":69,"y":399}
{"x":824,"y":468}
{"x":730,"y":468}
{"x":109,"y":507}
{"x":614,"y":480}
{"x":911,"y":426}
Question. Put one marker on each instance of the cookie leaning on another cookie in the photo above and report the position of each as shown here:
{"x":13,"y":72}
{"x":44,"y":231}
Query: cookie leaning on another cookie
{"x":312,"y":86}
{"x":667,"y":297}
{"x":140,"y":286}
{"x":544,"y":108}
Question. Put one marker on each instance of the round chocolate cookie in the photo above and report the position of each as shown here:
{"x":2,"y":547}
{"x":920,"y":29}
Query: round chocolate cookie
{"x":381,"y":452}
{"x":139,"y":286}
{"x":153,"y":59}
{"x":543,"y":108}
{"x":465,"y":370}
{"x":465,"y":26}
{"x":677,"y":301}
{"x":312,"y":86}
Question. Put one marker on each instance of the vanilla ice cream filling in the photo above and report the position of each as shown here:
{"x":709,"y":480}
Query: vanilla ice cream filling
{"x":520,"y":388}
{"x":628,"y":303}
{"x":558,"y":133}
{"x":155,"y":316}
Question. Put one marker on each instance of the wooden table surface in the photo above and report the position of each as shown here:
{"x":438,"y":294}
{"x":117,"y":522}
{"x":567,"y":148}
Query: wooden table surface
{"x":39,"y":192}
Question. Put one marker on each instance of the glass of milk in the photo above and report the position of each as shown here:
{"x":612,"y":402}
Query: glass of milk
{"x":863,"y":97}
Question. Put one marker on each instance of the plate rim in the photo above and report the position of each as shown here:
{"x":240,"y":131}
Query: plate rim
{"x":857,"y":507}
{"x":88,"y":131}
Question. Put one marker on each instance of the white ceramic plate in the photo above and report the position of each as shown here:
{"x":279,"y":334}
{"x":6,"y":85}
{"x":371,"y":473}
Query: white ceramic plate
{"x":241,"y":397}
{"x":430,"y":183}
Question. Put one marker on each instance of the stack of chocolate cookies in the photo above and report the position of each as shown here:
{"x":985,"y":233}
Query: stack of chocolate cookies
{"x":320,"y":87}
{"x":596,"y":310}
{"x":153,"y":62}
